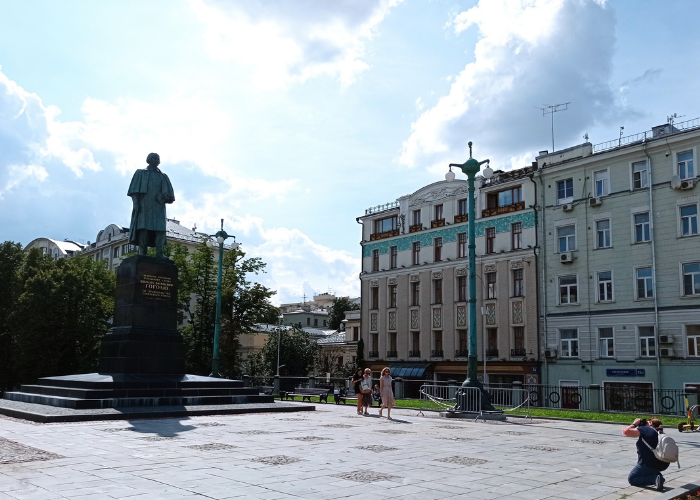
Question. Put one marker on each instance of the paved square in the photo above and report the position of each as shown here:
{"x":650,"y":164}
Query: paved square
{"x":327,"y":454}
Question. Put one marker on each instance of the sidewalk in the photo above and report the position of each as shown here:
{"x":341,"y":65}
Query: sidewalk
{"x":327,"y":454}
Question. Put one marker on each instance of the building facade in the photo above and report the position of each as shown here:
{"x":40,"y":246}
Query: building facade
{"x":414,"y":280}
{"x":620,"y":261}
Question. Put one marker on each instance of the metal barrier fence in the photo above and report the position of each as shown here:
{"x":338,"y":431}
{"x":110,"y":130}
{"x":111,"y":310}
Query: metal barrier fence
{"x":456,"y":398}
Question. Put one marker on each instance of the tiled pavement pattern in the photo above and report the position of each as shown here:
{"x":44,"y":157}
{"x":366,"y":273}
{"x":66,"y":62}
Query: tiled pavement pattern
{"x":256,"y":456}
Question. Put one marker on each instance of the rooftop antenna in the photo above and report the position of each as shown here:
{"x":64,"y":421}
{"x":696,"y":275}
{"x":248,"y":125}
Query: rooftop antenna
{"x":550,"y":109}
{"x":672,"y":118}
{"x":585,"y":137}
{"x":619,"y":142}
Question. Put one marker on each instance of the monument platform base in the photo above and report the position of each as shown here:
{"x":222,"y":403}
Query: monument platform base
{"x":473,"y":415}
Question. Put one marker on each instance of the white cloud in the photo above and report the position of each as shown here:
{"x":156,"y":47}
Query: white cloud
{"x":530,"y":52}
{"x":284,"y":42}
{"x":18,"y":174}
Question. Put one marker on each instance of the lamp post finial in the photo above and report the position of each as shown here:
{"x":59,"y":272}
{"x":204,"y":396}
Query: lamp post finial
{"x":470,"y":149}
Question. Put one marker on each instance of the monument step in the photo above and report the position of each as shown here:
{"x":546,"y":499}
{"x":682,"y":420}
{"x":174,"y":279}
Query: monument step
{"x":81,"y":393}
{"x":85,"y":404}
{"x":131,"y":381}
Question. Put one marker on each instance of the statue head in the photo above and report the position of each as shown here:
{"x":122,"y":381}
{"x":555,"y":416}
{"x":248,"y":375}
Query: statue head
{"x":153,"y":159}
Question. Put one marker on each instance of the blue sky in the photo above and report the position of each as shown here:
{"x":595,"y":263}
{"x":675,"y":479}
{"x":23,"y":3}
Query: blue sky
{"x":288,"y":119}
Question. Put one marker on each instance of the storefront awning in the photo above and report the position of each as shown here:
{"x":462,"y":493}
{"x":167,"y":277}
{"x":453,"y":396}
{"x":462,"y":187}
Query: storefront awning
{"x":409,"y":370}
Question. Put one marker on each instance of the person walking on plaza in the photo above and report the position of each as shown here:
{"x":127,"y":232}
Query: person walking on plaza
{"x":647,"y":472}
{"x":356,"y":381}
{"x":366,"y":389}
{"x":388,"y":400}
{"x":377,"y":395}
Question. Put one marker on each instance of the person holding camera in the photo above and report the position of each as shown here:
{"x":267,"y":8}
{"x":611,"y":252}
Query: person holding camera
{"x":647,"y":472}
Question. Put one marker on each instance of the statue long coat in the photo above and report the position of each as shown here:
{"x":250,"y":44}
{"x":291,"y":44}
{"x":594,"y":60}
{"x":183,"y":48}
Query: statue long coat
{"x":149,"y":212}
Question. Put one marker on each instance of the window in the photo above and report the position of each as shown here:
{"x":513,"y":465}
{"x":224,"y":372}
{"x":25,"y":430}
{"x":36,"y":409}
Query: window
{"x":607,"y":344}
{"x":315,"y":321}
{"x":569,"y":343}
{"x":462,"y":245}
{"x":645,"y":283}
{"x":462,"y":289}
{"x":393,"y":253}
{"x":437,"y":289}
{"x":693,"y":335}
{"x":691,"y":278}
{"x":642,"y":231}
{"x":386,"y":224}
{"x":566,"y":235}
{"x":375,"y":260}
{"x":568,"y":290}
{"x":416,"y":253}
{"x":647,"y":342}
{"x":437,"y":246}
{"x":605,"y":286}
{"x":415,"y":344}
{"x":516,"y":235}
{"x":392,"y":342}
{"x":519,"y":340}
{"x":438,"y":212}
{"x":463,"y":343}
{"x":518,"y":290}
{"x":416,"y":218}
{"x":601,"y":183}
{"x":308,"y":321}
{"x":504,"y":198}
{"x":689,"y":220}
{"x":565,"y":191}
{"x":375,"y":344}
{"x":603,"y":233}
{"x":125,"y":249}
{"x":462,"y":208}
{"x":392,"y":296}
{"x":374,"y":295}
{"x":492,"y":340}
{"x":437,"y":342}
{"x":639,"y":175}
{"x":490,"y":285}
{"x":490,"y":239}
{"x":415,"y":293}
{"x":686,"y":169}
{"x":355,"y":333}
{"x":115,"y":252}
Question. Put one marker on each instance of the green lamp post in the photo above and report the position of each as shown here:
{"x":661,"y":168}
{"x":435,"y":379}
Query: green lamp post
{"x":471,"y":167}
{"x":220,"y":236}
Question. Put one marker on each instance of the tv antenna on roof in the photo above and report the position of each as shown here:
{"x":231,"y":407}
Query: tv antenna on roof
{"x":550,"y":109}
{"x":672,"y":118}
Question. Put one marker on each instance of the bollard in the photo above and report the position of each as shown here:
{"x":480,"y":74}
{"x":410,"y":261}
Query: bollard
{"x":594,"y":398}
{"x":517,"y":393}
{"x":246,"y":380}
{"x":276,"y":385}
{"x":312,"y":382}
{"x":398,"y":388}
{"x":692,"y":394}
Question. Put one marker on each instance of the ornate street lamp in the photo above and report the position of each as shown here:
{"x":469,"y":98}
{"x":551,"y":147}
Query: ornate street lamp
{"x":471,"y":167}
{"x":220,"y":236}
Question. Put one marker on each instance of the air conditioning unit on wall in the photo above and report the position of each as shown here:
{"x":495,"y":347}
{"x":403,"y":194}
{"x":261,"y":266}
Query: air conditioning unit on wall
{"x":567,"y":207}
{"x":666,"y":352}
{"x":595,"y":202}
{"x":665,"y":339}
{"x":687,"y":185}
{"x":566,"y":258}
{"x":550,"y":353}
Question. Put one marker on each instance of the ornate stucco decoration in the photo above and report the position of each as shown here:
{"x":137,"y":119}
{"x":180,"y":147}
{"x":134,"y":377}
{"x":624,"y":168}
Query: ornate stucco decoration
{"x":437,"y":275}
{"x":517,"y":264}
{"x":438,"y":194}
{"x":374,"y":283}
{"x":461,"y":271}
{"x":490,"y":268}
{"x":414,"y":277}
{"x":392,"y":281}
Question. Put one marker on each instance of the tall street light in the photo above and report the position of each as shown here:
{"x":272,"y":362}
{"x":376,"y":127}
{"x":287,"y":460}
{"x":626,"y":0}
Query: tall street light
{"x":471,"y":167}
{"x":220,"y":236}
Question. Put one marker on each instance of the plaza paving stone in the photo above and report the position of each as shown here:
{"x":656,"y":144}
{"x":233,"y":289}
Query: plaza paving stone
{"x":327,"y":454}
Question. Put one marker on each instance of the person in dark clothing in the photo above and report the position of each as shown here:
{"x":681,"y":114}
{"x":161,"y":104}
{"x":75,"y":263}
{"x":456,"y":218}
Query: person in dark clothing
{"x":648,"y":469}
{"x":356,"y":381}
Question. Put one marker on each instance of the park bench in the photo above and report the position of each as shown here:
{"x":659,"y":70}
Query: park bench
{"x":344,"y":396}
{"x":306,"y":393}
{"x":265,"y":389}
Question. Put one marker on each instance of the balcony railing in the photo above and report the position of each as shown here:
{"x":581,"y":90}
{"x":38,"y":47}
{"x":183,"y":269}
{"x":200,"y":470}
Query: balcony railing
{"x":392,"y":354}
{"x":461,"y":353}
{"x":373,"y":354}
{"x":492,"y":352}
{"x":415,"y":228}
{"x":385,"y":234}
{"x":436,"y":353}
{"x":381,"y":208}
{"x":437,"y":223}
{"x":518,"y":352}
{"x":414,"y":354}
{"x":515,"y":207}
{"x":461,"y":218}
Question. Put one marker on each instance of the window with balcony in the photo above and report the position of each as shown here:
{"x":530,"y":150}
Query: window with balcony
{"x":415,"y":293}
{"x":437,"y":248}
{"x":691,"y":278}
{"x":437,"y":291}
{"x":689,"y":220}
{"x":437,"y":344}
{"x":461,"y":245}
{"x":438,"y":212}
{"x":492,"y":342}
{"x":463,"y":350}
{"x":639,"y":175}
{"x":518,"y":288}
{"x":603,"y":239}
{"x":462,"y":211}
{"x":569,"y":342}
{"x":607,"y":344}
{"x":416,"y":218}
{"x":375,"y":260}
{"x":490,"y":285}
{"x":461,"y":288}
{"x":565,"y":191}
{"x":374,"y":348}
{"x":647,"y":342}
{"x":501,"y":202}
{"x":416,"y":253}
{"x":692,"y":333}
{"x":385,"y":228}
{"x":374,"y":298}
{"x":490,"y":233}
{"x":601,"y":183}
{"x":355,"y":333}
{"x":391,"y":353}
{"x":568,"y":290}
{"x":566,"y":236}
{"x":605,"y":286}
{"x":439,"y":218}
{"x":645,"y":283}
{"x":686,"y":169}
{"x":642,"y":229}
{"x":393,"y":254}
{"x":415,"y":345}
{"x":518,"y":341}
{"x":392,"y":296}
{"x":516,"y":235}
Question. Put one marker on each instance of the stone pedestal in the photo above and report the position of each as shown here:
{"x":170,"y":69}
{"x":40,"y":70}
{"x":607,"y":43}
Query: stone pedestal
{"x":144,"y":338}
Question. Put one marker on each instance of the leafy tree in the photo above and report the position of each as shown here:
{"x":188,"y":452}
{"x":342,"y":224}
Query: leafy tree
{"x":327,"y":361}
{"x":298,"y":352}
{"x":11,"y":259}
{"x":336,"y":313}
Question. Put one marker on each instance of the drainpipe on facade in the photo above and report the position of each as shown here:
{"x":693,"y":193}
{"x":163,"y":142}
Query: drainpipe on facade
{"x":537,"y":271}
{"x":543,"y":254}
{"x":653,"y":270}
{"x":592,"y":348}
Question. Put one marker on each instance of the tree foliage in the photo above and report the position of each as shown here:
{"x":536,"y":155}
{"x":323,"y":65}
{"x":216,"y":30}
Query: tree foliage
{"x":297,"y":351}
{"x":336,"y":313}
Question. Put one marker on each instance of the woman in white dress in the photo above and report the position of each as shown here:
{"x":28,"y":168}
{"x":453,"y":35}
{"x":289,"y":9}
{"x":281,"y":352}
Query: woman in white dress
{"x":388,"y":400}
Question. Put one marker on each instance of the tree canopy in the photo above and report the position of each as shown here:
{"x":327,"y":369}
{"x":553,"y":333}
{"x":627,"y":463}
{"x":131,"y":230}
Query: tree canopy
{"x":336,"y":313}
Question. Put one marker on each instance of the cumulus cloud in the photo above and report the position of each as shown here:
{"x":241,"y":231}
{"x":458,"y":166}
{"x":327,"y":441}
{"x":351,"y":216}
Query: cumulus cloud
{"x":284,"y":42}
{"x":529,"y":53}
